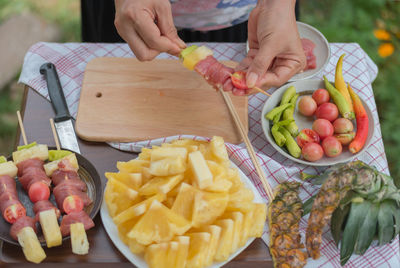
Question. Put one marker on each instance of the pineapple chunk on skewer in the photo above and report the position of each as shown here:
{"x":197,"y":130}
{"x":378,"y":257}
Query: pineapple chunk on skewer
{"x":50,"y":167}
{"x":79,"y":242}
{"x":8,"y":168}
{"x":30,"y":244}
{"x":51,"y":229}
{"x":38,"y":151}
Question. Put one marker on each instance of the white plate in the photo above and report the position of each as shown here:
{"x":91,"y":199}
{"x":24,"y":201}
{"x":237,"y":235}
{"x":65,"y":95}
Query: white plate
{"x":306,"y":122}
{"x":138,"y":260}
{"x":322,"y":50}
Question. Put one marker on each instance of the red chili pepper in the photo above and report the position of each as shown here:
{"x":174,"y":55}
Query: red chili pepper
{"x":362,"y":123}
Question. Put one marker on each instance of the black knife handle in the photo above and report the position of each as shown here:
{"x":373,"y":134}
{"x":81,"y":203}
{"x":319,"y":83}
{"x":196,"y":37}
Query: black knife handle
{"x":55,"y":92}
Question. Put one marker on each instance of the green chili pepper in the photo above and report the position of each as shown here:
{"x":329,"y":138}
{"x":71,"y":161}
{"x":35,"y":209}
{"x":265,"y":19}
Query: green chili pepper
{"x":286,"y":97}
{"x":3,"y":159}
{"x":27,"y":146}
{"x":290,"y":143}
{"x":339,"y":100}
{"x":278,"y":137}
{"x":271,"y":114}
{"x":288,"y":114}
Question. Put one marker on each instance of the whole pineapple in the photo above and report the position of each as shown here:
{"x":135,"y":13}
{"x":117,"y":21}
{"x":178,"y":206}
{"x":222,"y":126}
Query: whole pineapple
{"x":285,"y":212}
{"x":365,"y":204}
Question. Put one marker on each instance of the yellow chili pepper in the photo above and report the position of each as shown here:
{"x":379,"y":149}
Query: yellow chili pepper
{"x":340,"y":85}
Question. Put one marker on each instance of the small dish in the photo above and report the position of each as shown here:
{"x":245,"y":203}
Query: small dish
{"x":87,"y":173}
{"x":306,"y":87}
{"x":322,"y":50}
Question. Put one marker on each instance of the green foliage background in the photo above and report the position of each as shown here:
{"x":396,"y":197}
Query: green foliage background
{"x":339,"y":21}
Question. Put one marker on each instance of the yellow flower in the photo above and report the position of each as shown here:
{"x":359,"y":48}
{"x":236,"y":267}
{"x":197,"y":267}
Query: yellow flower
{"x":385,"y":50}
{"x":382,"y":34}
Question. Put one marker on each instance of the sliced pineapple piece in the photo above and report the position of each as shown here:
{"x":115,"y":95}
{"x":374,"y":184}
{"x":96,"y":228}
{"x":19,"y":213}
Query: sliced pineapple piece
{"x":123,"y":190}
{"x":197,"y":55}
{"x":50,"y":167}
{"x":38,"y":151}
{"x":146,"y":175}
{"x":79,"y":241}
{"x":138,"y":209}
{"x":168,"y":166}
{"x":259,"y":218}
{"x":168,"y":152}
{"x":156,"y":255}
{"x":215,"y":232}
{"x":50,"y":228}
{"x":160,"y":185}
{"x":132,"y":166}
{"x":202,"y":174}
{"x":242,"y":206}
{"x":234,"y":177}
{"x":132,"y":180}
{"x":8,"y":168}
{"x":198,"y":249}
{"x":119,"y":197}
{"x":145,"y":154}
{"x":237,"y":217}
{"x":124,"y":228}
{"x":182,"y":251}
{"x":207,"y":207}
{"x":169,"y":202}
{"x":135,"y":247}
{"x":183,"y":204}
{"x":242,"y":195}
{"x":30,"y":244}
{"x":172,"y":254}
{"x":218,"y":151}
{"x":247,"y":225}
{"x":225,"y":241}
{"x":158,"y":224}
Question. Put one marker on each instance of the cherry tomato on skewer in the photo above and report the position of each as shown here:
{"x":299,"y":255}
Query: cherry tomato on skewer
{"x":14,"y":212}
{"x":72,"y":203}
{"x":239,"y":80}
{"x":39,"y":191}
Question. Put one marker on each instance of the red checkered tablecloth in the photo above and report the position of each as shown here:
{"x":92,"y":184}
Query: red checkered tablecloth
{"x":70,"y":60}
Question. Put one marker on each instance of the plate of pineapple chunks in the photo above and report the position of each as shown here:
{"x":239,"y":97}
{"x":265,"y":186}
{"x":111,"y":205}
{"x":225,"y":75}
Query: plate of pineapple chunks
{"x":182,"y":204}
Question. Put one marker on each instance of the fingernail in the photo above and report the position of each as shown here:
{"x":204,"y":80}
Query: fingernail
{"x":181,"y":44}
{"x":251,"y":80}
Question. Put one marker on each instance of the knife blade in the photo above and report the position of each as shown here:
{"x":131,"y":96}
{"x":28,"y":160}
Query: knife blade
{"x":63,"y":119}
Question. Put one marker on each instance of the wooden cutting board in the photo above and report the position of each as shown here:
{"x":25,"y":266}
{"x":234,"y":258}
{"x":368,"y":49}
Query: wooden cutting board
{"x":125,"y":100}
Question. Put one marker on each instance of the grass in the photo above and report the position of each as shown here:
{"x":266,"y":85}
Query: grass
{"x":339,"y":21}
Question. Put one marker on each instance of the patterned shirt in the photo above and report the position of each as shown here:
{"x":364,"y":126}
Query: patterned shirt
{"x":206,"y":15}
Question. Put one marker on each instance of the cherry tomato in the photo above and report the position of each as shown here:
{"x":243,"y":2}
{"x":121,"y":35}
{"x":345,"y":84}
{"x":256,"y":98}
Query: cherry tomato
{"x":72,"y":203}
{"x":332,"y":147}
{"x":323,"y":128}
{"x":342,"y":125}
{"x":328,"y":111}
{"x":312,"y":151}
{"x":38,"y":191}
{"x":307,"y":106}
{"x":12,"y":213}
{"x":307,"y":135}
{"x":320,"y":96}
{"x":239,"y":80}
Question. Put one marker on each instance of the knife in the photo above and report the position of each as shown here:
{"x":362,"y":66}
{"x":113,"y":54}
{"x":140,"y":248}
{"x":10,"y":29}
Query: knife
{"x":63,"y":119}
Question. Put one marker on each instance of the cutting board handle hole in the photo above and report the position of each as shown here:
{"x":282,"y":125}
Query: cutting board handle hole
{"x":98,"y":95}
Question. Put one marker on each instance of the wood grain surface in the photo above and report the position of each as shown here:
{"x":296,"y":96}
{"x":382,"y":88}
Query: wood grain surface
{"x":124,"y":100}
{"x":102,"y":253}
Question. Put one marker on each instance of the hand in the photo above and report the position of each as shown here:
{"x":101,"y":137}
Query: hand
{"x":148,"y":28}
{"x":275,"y":50}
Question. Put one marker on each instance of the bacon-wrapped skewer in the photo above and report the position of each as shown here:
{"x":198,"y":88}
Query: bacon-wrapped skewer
{"x":218,"y":75}
{"x":71,"y":198}
{"x":23,"y":227}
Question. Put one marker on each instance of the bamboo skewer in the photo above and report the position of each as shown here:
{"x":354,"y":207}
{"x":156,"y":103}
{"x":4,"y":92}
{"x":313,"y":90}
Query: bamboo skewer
{"x":55,"y":136}
{"x":250,"y":149}
{"x":260,"y":90}
{"x":21,"y":126}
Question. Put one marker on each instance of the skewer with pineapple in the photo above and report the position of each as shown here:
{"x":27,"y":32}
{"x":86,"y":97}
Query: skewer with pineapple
{"x":70,"y":196}
{"x":29,"y":159}
{"x":23,"y":227}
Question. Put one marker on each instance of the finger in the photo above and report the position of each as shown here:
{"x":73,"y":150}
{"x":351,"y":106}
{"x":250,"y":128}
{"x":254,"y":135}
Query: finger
{"x":244,"y":64}
{"x":151,"y":35}
{"x":281,"y":71}
{"x":138,"y":47}
{"x":166,"y":24}
{"x":259,"y":65}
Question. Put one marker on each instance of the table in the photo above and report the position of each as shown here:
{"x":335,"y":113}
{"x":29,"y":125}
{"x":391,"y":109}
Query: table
{"x":36,"y":112}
